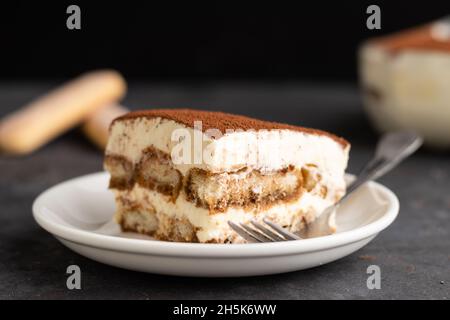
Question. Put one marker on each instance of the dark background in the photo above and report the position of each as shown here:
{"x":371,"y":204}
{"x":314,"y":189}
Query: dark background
{"x":293,"y":64}
{"x":314,"y":40}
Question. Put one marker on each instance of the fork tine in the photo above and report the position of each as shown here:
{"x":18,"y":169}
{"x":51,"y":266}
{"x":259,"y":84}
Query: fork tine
{"x":260,"y":236}
{"x":243,"y":233}
{"x":281,"y":231}
{"x":272,"y":235}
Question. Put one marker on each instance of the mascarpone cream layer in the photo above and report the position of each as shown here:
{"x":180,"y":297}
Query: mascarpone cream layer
{"x":264,"y":150}
{"x":215,"y":226}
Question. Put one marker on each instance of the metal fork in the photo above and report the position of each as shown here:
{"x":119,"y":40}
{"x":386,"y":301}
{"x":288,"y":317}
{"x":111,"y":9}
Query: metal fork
{"x":391,"y":150}
{"x":270,"y":232}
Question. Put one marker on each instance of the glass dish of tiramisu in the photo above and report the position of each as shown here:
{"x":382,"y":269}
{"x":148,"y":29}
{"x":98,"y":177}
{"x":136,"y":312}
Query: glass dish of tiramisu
{"x":405,"y":80}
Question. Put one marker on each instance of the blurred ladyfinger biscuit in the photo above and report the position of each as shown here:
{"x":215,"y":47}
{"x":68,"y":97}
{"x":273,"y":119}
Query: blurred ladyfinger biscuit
{"x":96,"y":126}
{"x":48,"y":116}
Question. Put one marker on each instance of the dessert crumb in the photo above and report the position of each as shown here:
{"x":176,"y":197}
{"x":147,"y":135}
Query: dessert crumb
{"x":367,"y":257}
{"x":410,"y":268}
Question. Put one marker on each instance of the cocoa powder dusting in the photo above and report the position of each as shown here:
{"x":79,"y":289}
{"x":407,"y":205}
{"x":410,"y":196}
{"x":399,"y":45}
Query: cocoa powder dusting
{"x":418,"y":38}
{"x":222,"y":121}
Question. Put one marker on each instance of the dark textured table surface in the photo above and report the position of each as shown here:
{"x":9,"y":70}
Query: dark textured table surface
{"x":413,"y":253}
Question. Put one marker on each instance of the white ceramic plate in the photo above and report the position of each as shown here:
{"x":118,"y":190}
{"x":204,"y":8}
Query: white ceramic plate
{"x":79,"y":213}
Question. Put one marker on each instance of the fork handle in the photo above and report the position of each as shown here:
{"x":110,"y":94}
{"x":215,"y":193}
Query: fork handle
{"x":392,"y":149}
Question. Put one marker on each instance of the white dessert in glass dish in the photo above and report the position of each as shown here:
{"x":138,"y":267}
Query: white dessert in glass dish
{"x":405,"y":78}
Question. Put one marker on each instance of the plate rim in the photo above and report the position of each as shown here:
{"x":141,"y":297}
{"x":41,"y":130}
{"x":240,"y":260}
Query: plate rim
{"x":208,"y":250}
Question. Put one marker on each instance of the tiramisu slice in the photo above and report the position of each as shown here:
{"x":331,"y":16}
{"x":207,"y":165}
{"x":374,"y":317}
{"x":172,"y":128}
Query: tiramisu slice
{"x":181,"y":175}
{"x":406,"y":80}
